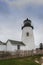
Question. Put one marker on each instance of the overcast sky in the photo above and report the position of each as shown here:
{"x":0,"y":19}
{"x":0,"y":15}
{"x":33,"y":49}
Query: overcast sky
{"x":14,"y":12}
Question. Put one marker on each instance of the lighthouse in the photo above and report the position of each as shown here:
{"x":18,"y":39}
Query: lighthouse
{"x":27,"y":35}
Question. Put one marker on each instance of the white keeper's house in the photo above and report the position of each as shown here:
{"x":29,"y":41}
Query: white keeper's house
{"x":27,"y":42}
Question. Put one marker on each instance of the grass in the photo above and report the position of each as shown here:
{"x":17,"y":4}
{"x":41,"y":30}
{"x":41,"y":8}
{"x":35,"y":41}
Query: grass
{"x":20,"y":61}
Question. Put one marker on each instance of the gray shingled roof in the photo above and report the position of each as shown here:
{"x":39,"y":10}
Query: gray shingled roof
{"x":16,"y":42}
{"x":2,"y":43}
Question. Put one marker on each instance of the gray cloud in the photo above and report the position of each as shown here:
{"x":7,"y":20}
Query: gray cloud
{"x":21,"y":4}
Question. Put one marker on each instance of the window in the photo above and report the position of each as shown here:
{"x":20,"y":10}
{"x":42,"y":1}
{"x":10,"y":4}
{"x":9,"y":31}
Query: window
{"x":18,"y":47}
{"x":27,"y":34}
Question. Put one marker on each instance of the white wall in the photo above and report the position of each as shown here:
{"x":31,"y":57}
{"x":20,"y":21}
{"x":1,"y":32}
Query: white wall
{"x":11,"y":47}
{"x":28,"y":41}
{"x":2,"y":47}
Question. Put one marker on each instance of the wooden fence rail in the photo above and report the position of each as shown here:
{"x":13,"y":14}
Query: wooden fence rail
{"x":20,"y":53}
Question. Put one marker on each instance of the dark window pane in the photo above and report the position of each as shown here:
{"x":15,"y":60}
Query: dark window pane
{"x":27,"y":34}
{"x":18,"y":47}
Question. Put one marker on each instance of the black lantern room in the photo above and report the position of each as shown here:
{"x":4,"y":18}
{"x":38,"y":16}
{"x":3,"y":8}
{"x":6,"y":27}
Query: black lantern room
{"x":27,"y":23}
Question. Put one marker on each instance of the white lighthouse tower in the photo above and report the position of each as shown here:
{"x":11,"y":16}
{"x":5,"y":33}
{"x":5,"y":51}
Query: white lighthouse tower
{"x":27,"y":35}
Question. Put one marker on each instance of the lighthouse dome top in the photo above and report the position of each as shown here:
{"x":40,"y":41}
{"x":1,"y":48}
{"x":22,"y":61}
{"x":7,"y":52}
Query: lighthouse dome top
{"x":27,"y":21}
